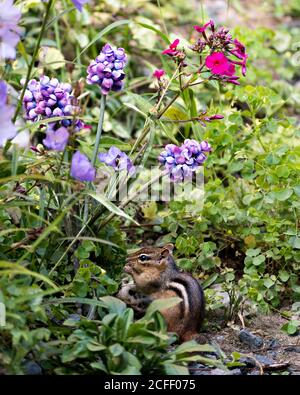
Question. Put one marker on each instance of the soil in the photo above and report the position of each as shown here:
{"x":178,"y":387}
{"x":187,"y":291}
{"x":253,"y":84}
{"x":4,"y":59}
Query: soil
{"x":268,"y":328}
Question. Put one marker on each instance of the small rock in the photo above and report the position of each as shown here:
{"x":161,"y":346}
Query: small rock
{"x":250,"y":339}
{"x":200,"y":373}
{"x":236,"y":372}
{"x":32,"y":368}
{"x":219,"y":372}
{"x":272,"y":354}
{"x":293,"y":349}
{"x":216,"y":372}
{"x":254,"y":373}
{"x":249,"y":362}
{"x":264,"y":360}
{"x":224,"y":296}
{"x":273,"y":343}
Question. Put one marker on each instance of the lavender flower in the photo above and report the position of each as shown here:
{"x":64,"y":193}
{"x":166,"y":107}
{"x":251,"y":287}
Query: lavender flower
{"x":107,"y":69}
{"x":117,"y":159}
{"x":81,"y":168}
{"x":56,"y":139}
{"x":79,"y":4}
{"x":205,"y":146}
{"x":9,"y":30}
{"x":7,"y":128}
{"x":192,"y":146}
{"x":48,"y":98}
{"x":182,"y":161}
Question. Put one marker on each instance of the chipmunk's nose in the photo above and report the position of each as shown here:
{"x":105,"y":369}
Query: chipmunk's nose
{"x":127,"y":267}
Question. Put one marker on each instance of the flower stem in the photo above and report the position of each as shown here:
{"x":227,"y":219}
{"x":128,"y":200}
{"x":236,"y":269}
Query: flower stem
{"x":99,"y":129}
{"x":95,"y":152}
{"x":35,"y":52}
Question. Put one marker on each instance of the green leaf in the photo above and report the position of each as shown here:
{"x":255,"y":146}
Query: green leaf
{"x":111,"y":207}
{"x":149,"y":340}
{"x":258,"y":260}
{"x":95,"y":239}
{"x":51,"y":58}
{"x":12,"y":268}
{"x":283,"y":275}
{"x":291,"y":327}
{"x":133,"y":107}
{"x":172,"y":369}
{"x":283,"y":194}
{"x":268,"y":283}
{"x":169,"y":131}
{"x":160,"y":33}
{"x":99,"y":366}
{"x":297,"y":190}
{"x":253,"y":252}
{"x":176,"y":113}
{"x":143,"y":105}
{"x":296,"y":288}
{"x":161,"y":304}
{"x":295,"y":242}
{"x":236,"y":355}
{"x":113,"y":305}
{"x":108,"y":141}
{"x":91,"y":302}
{"x":210,"y":280}
{"x":116,"y":350}
{"x":53,"y":227}
{"x":193,"y":346}
{"x":283,"y":171}
{"x":94,"y":346}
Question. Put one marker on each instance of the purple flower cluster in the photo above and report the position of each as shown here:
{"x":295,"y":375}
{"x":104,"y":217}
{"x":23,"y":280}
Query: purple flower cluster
{"x":81,"y":168}
{"x":182,"y":161}
{"x":9,"y":30}
{"x":49,"y":98}
{"x":117,"y":159}
{"x":7,"y":128}
{"x":107,"y":69}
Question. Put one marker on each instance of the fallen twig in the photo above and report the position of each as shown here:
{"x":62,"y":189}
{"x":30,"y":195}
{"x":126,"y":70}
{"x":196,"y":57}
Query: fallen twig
{"x":276,"y":366}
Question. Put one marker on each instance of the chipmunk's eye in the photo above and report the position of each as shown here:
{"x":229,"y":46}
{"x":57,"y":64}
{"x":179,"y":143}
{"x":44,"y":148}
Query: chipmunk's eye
{"x":144,"y":258}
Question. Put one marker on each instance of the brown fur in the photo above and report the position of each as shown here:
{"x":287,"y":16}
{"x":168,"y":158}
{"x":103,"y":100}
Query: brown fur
{"x":158,"y":277}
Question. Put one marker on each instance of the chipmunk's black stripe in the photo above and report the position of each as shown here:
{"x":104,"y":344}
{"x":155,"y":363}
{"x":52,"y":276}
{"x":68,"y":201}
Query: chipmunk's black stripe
{"x":189,"y":284}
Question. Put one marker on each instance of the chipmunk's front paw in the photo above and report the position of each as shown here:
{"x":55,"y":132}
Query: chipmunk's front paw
{"x":198,"y":337}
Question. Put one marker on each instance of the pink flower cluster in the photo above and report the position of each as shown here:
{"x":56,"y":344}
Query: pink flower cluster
{"x":225,"y":52}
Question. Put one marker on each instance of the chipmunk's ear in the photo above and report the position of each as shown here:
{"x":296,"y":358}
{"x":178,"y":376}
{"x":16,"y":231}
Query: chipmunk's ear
{"x":167,"y":250}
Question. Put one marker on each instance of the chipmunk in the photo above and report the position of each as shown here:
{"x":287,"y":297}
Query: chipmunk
{"x":156,"y":276}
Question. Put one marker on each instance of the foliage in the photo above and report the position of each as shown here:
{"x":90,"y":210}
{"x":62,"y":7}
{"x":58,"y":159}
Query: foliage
{"x":63,"y":244}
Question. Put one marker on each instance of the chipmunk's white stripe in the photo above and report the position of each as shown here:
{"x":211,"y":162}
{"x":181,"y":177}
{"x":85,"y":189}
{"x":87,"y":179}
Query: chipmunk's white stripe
{"x":182,"y":289}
